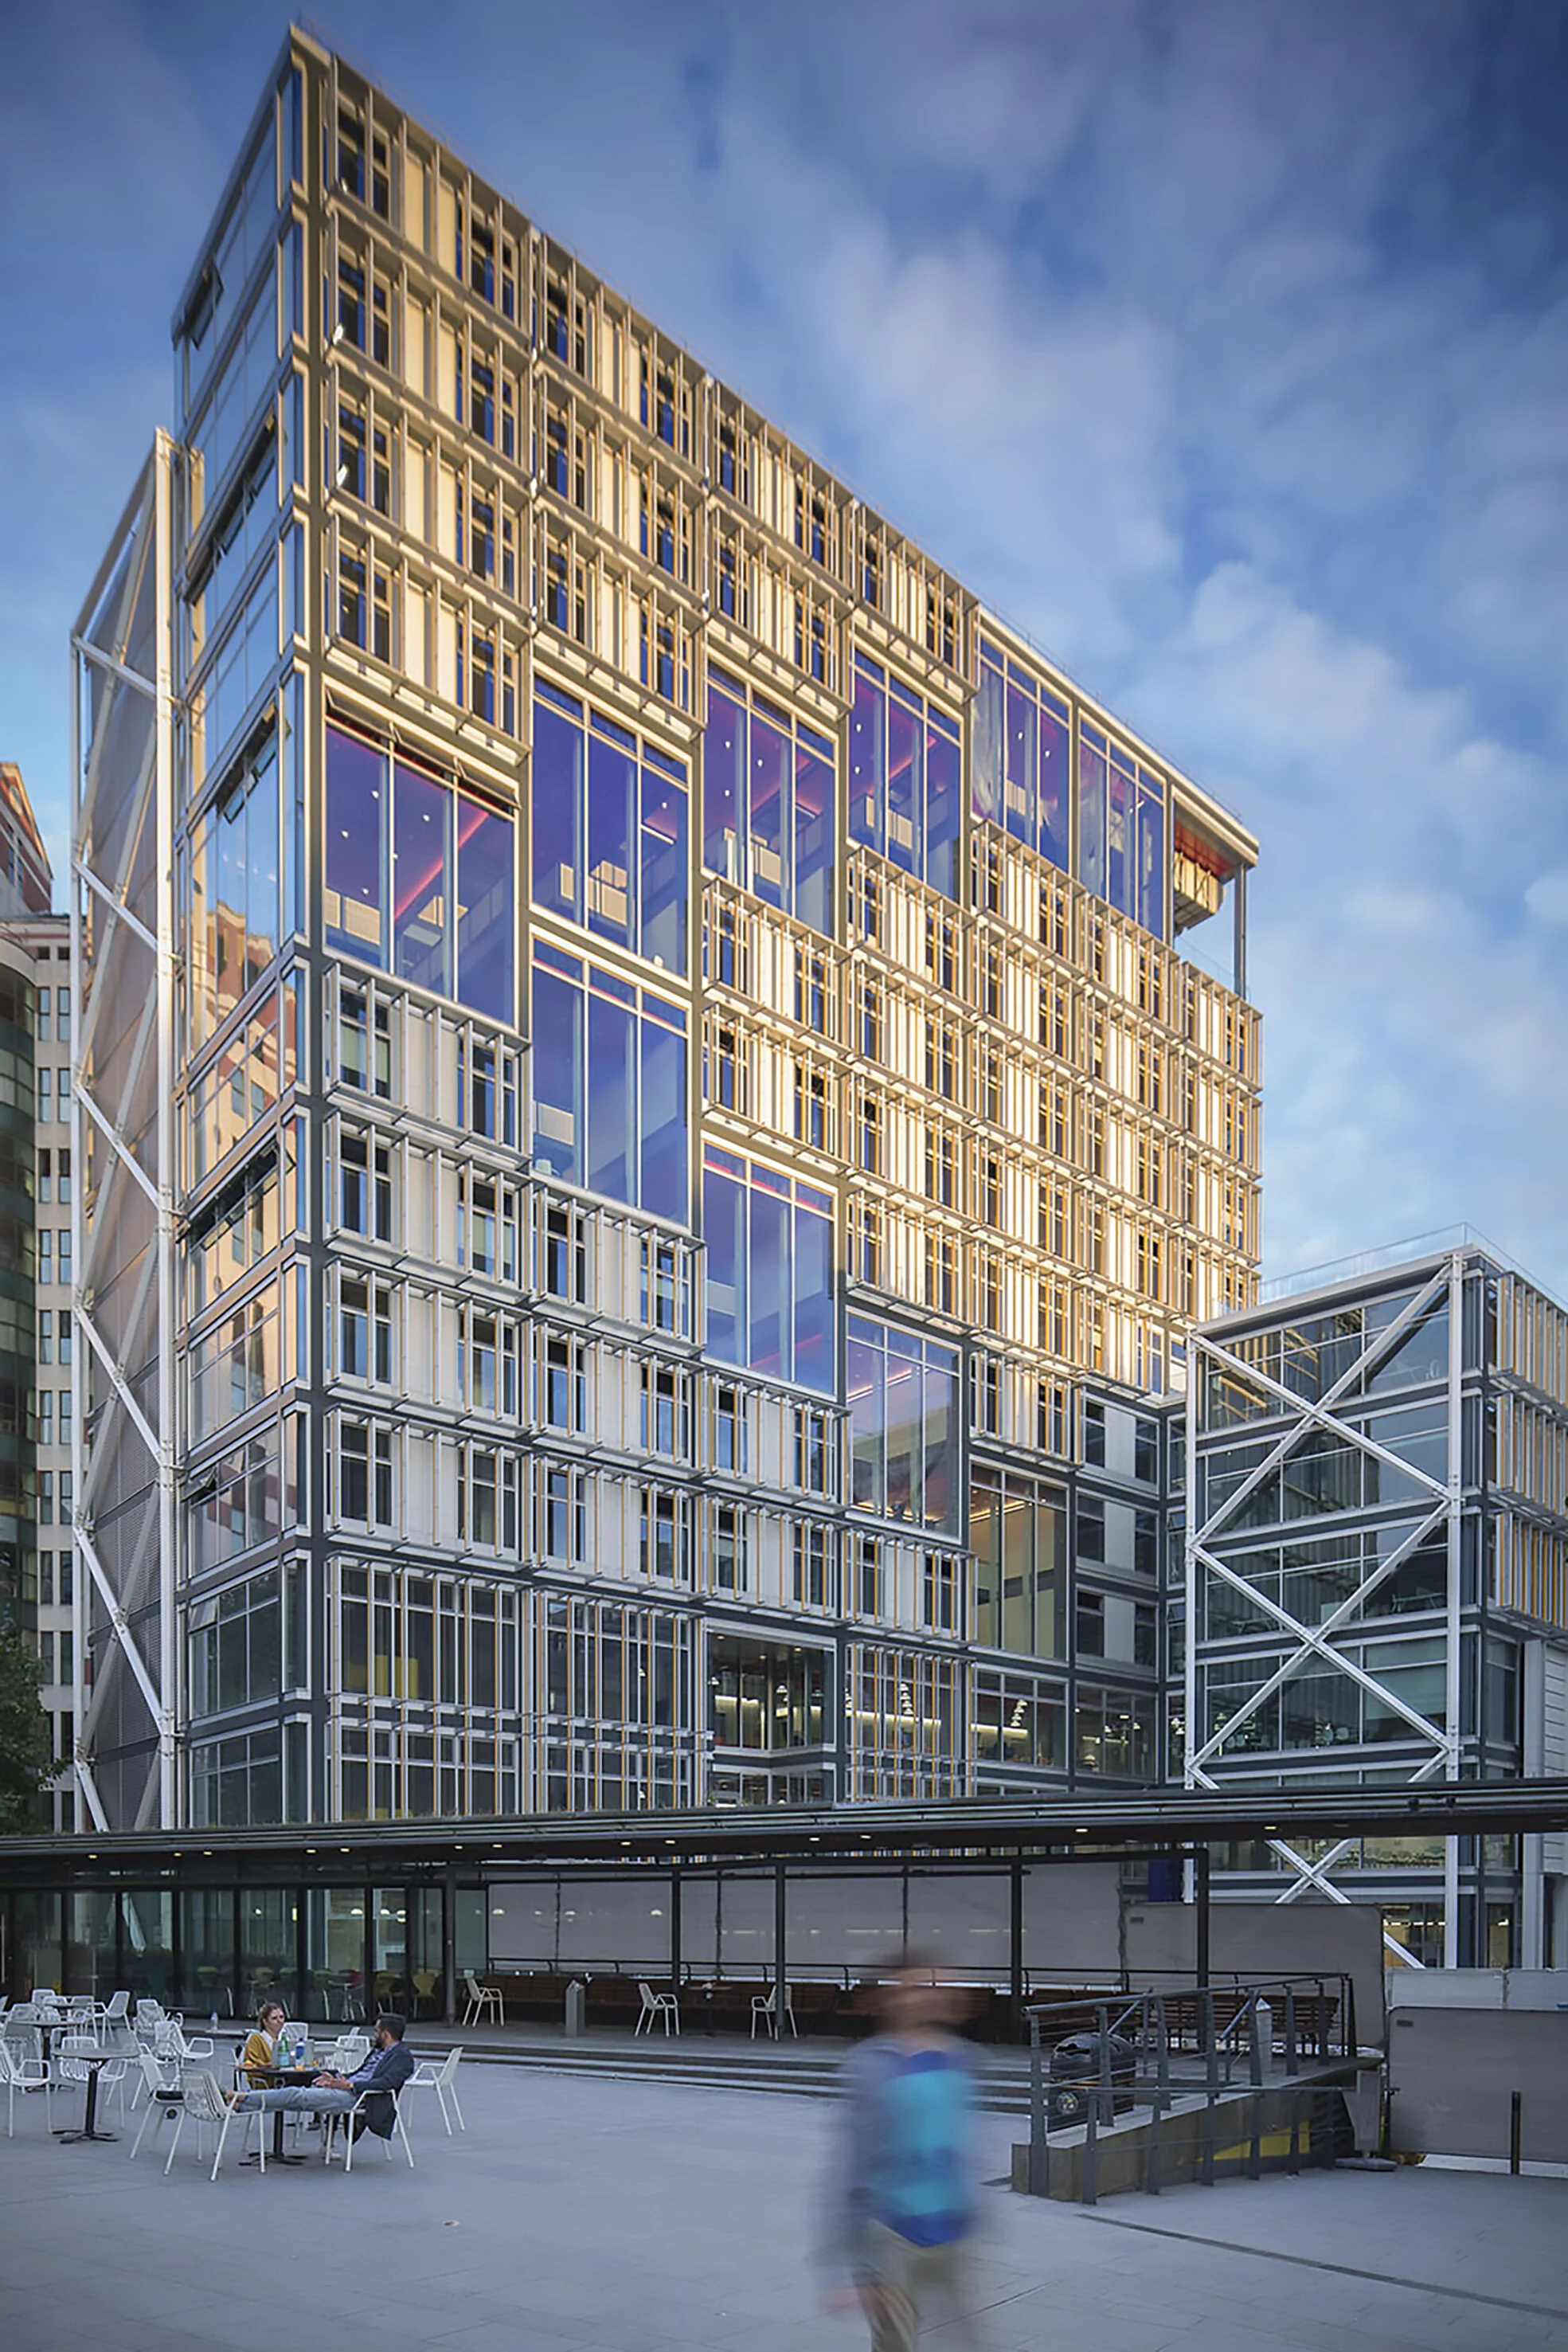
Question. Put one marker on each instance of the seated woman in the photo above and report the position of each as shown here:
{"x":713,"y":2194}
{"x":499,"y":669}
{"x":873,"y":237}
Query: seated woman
{"x":259,"y":2054}
{"x":382,"y":2077}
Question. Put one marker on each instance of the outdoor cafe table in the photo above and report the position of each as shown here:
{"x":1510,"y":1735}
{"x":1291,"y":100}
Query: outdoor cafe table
{"x":279,"y":2078}
{"x":89,"y":2129}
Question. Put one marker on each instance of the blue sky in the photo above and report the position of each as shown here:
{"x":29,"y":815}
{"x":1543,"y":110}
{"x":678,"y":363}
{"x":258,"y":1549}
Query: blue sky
{"x":1224,"y":348}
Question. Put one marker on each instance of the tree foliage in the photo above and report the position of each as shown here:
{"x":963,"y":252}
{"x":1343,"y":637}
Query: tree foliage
{"x":26,"y":1748}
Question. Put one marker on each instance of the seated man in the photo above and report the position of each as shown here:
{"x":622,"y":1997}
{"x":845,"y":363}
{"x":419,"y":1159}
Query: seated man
{"x":386,"y":2069}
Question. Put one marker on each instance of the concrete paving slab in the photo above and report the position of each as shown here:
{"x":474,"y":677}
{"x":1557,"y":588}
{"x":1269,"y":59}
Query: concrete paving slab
{"x":579,"y":2215}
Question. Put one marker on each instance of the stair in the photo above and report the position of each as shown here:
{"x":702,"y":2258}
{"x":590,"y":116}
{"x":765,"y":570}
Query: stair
{"x":1003,"y":2087}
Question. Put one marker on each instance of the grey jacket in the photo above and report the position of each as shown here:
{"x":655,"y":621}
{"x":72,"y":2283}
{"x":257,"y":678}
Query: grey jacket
{"x":862,"y":2145}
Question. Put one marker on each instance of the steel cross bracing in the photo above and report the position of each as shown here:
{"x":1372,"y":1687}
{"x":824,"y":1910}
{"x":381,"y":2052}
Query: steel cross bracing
{"x":121,"y":934}
{"x":1319,"y":1644}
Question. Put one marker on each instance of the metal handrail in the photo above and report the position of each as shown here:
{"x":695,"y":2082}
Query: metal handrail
{"x":1156,"y":2018}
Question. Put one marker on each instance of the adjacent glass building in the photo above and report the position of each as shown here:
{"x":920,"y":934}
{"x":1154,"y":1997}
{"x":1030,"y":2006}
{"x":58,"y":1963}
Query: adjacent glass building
{"x":1376,"y":1583}
{"x":36,"y":1567}
{"x":648,"y":1116}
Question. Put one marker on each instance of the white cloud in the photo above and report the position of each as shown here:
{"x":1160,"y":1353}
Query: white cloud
{"x":1547,"y":897}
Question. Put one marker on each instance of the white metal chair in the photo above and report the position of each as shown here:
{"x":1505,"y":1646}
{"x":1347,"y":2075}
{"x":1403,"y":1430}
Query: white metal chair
{"x":68,"y":2066}
{"x":348,"y":2051}
{"x":656,"y":2004}
{"x":346,"y":2123}
{"x":20,"y":2071}
{"x":204,"y":2103}
{"x":441,"y":2078}
{"x":484,"y":2000}
{"x":764,"y":2011}
{"x":163,"y":2089}
{"x":114,"y":2013}
{"x":170,"y":2042}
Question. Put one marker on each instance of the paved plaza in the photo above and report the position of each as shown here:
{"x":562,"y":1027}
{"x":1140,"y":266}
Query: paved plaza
{"x":603,"y":2216}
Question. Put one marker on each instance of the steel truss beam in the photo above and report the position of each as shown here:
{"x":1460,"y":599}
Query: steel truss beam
{"x":122,"y":934}
{"x":1321,"y":1644}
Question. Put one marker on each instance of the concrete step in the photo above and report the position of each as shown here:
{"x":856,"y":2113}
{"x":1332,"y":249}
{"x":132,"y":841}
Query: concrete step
{"x":709,"y":2069}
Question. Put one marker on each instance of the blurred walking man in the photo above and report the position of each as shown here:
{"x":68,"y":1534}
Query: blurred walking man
{"x":902,"y":2191}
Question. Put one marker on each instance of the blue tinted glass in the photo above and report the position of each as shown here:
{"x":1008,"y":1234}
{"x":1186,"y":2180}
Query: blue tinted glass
{"x":1021,"y":752}
{"x":1090,"y":816}
{"x":939,"y":1483}
{"x":867,"y":759}
{"x":1151,"y":861}
{"x":724,"y":785}
{"x":1119,"y":860}
{"x":988,"y":756}
{"x":724,"y":1232}
{"x":261,"y":817}
{"x":610,"y":774}
{"x":769,"y":1283}
{"x":356,"y":810}
{"x":813,"y":1300}
{"x":663,"y":1122}
{"x":611,"y":1037}
{"x":902,"y":1427}
{"x":944,"y":784}
{"x":768,"y":771}
{"x":557,"y":1069}
{"x":556,"y":810}
{"x":905,"y":793}
{"x":814,"y":829}
{"x":420,"y":892}
{"x":865,"y":1382}
{"x":487,"y":916}
{"x":662,"y":859}
{"x":1053,"y":788}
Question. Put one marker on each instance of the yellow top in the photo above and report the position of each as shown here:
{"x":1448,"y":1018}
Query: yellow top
{"x":259,"y":2050}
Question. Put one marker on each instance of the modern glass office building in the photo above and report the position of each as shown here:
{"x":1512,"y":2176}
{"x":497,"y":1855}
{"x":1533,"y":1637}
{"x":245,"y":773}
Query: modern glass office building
{"x":1376,"y":1582}
{"x":648,"y":1112}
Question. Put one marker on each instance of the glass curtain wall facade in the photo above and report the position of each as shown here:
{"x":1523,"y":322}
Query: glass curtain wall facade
{"x":1376,"y":1584}
{"x":684,"y":1071}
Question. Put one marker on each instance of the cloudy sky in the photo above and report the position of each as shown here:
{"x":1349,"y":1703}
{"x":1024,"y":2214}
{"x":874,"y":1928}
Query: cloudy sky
{"x":1222,"y":346}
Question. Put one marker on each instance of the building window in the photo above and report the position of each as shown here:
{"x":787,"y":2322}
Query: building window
{"x":939,"y":1586}
{"x":1089,"y":1622}
{"x":565,"y":1253}
{"x":563,"y":1385}
{"x":1091,"y":1518}
{"x":364,"y":1187}
{"x":904,"y":777}
{"x":561,"y":1515}
{"x":769,"y":795}
{"x":729,"y":1564}
{"x":364,"y":1474}
{"x":813,"y":1450}
{"x":610,"y":830}
{"x":769,"y":1270}
{"x":905,"y":1404}
{"x":815,"y":1578}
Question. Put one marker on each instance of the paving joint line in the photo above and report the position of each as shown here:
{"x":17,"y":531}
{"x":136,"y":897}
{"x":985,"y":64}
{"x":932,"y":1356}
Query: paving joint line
{"x":1341,"y":2270}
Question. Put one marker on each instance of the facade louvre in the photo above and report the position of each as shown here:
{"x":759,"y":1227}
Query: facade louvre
{"x":646,"y":1123}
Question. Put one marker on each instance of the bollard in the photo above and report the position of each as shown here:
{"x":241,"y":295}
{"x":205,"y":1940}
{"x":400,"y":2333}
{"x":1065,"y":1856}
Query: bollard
{"x":576,"y":2008}
{"x":1515,"y":2131}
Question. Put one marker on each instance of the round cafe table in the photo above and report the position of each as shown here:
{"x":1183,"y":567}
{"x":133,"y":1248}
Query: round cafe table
{"x":89,"y":2129}
{"x":279,"y":2078}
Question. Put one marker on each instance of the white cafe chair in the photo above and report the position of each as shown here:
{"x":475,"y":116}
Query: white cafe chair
{"x":22,"y":2069}
{"x":163,"y":2091}
{"x":484,"y":2000}
{"x":657,"y":2004}
{"x":346,"y":2122}
{"x":430,"y":2075}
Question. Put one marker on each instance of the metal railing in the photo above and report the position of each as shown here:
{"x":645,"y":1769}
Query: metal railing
{"x":1153,"y":2048}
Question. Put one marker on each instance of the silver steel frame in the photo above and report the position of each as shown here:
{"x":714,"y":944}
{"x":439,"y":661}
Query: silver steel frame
{"x":1319,"y":1643}
{"x":123,"y":969}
